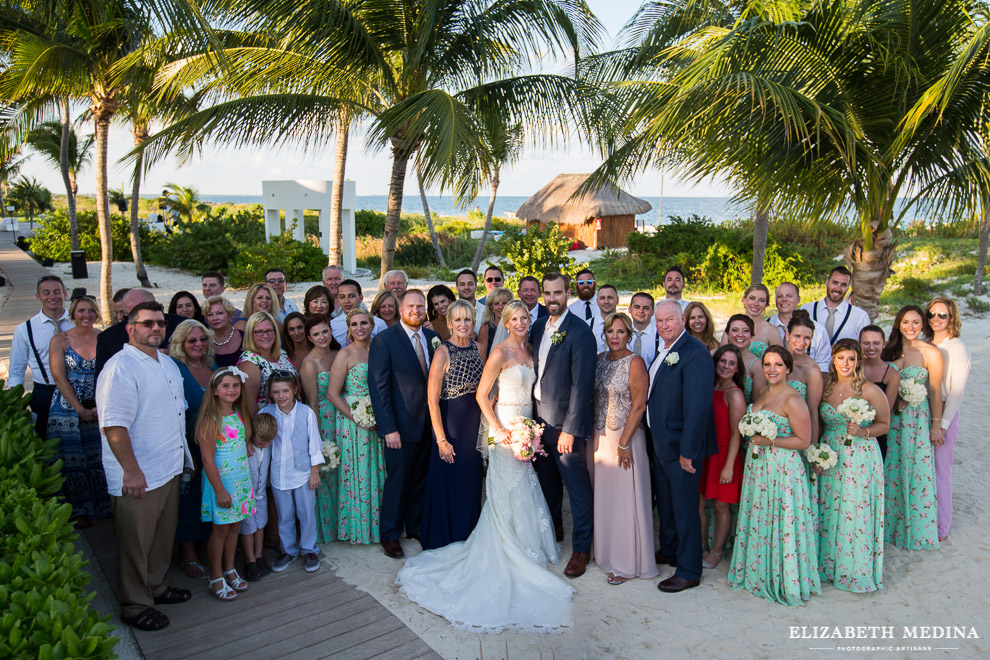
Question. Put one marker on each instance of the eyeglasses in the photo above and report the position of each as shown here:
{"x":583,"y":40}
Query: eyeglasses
{"x":263,"y":333}
{"x":585,"y":282}
{"x":942,"y":316}
{"x":276,"y":280}
{"x":493,"y":279}
{"x":196,"y":340}
{"x":150,"y":323}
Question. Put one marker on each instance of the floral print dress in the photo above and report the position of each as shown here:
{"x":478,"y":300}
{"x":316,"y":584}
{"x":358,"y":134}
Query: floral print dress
{"x":909,"y":473}
{"x":232,"y":463}
{"x":850,"y":522}
{"x":326,"y":492}
{"x":361,"y":475}
{"x":776,"y":549}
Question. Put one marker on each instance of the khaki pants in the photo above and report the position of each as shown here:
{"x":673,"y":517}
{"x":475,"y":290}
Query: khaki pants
{"x":145,"y":531}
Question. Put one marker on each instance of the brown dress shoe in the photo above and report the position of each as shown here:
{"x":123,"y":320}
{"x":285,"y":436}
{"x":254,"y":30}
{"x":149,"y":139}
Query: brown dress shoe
{"x":577,"y":564}
{"x":393,"y":549}
{"x":665,"y":559}
{"x":676,"y":583}
{"x":415,"y":536}
{"x":558,"y":533}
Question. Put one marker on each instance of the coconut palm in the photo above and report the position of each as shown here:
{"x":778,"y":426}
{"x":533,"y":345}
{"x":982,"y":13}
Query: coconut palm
{"x":46,"y":140}
{"x":11,"y":162}
{"x":29,"y":196}
{"x":184,"y":201}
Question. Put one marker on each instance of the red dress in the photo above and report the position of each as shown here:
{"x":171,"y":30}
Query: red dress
{"x":710,"y":487}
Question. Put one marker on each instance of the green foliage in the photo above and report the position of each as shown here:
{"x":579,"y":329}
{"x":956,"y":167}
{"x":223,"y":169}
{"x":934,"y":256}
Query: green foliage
{"x":537,"y":252}
{"x":52,"y":238}
{"x":962,"y":228}
{"x":211,"y":244}
{"x":414,"y":252}
{"x":977,"y":305}
{"x":369,"y":223}
{"x":301,"y":262}
{"x":42,"y":576}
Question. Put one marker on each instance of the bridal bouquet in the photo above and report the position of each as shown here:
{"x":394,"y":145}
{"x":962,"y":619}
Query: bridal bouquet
{"x":362,"y":412}
{"x":524,"y":439}
{"x":912,"y":391}
{"x":857,"y":410}
{"x":757,"y":423}
{"x":331,"y":455}
{"x":821,"y":456}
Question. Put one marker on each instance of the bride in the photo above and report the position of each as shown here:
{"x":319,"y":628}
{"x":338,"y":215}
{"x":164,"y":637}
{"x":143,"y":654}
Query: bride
{"x":497,"y":579}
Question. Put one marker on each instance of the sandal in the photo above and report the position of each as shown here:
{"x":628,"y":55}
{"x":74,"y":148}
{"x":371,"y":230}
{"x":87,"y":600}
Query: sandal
{"x":172,"y":596}
{"x":236,"y":583}
{"x":194,"y":569}
{"x":150,"y":619}
{"x":225,"y":593}
{"x":707,"y":563}
{"x":616,"y":579}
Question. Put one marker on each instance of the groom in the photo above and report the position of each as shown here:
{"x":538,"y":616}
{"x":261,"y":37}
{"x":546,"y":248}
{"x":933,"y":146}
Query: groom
{"x":564,"y":353}
{"x":398,"y":365}
{"x":679,"y":414}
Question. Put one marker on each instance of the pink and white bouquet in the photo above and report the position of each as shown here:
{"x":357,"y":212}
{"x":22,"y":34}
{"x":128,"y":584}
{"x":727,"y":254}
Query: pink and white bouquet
{"x":758,"y":423}
{"x":525,"y":439}
{"x":857,"y":410}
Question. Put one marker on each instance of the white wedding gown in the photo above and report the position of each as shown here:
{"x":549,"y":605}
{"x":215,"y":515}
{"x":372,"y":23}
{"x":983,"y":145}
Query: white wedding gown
{"x":497,"y":579}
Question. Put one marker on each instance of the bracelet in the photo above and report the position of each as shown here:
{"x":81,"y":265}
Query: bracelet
{"x":623,"y":448}
{"x":441,"y":440}
{"x":772,"y":441}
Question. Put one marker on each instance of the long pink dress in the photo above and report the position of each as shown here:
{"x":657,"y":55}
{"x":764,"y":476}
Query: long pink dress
{"x":623,"y":515}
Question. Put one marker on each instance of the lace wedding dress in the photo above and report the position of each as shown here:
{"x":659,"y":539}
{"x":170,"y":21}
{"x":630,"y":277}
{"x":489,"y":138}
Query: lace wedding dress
{"x":497,"y":579}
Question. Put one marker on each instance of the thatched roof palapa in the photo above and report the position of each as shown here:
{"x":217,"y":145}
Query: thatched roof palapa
{"x":555,"y":202}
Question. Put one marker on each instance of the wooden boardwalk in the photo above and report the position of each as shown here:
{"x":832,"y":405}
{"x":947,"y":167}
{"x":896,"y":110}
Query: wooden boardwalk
{"x":294,"y":614}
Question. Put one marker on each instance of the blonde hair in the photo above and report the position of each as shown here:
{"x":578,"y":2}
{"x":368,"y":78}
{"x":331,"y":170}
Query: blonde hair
{"x":511,"y":308}
{"x":355,"y":312}
{"x":265,"y":427}
{"x":81,"y":299}
{"x":501,"y":294}
{"x":252,"y":292}
{"x":176,"y":346}
{"x":459,"y":304}
{"x":252,"y":322}
{"x":209,"y":419}
{"x":623,"y":318}
{"x":859,"y":378}
{"x":220,"y":300}
{"x":955,"y":323}
{"x":376,"y":304}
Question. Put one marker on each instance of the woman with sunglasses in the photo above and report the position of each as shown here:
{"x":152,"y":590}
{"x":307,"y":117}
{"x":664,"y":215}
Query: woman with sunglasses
{"x":943,"y":318}
{"x":191,"y":348}
{"x":261,"y":357}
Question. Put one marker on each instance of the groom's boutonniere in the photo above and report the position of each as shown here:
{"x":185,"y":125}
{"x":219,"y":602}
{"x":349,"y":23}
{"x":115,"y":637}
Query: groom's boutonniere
{"x":557,"y":337}
{"x":672,"y":359}
{"x":435,"y":343}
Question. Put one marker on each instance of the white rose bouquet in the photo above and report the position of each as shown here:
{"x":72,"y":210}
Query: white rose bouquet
{"x":821,"y":456}
{"x":912,"y":391}
{"x":362,"y":412}
{"x":331,"y":455}
{"x":758,"y":423}
{"x":857,"y":410}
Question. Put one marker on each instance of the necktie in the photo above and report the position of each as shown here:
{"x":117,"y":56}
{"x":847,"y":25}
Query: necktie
{"x":638,"y":344}
{"x":58,"y":326}
{"x":420,"y":355}
{"x":830,"y":321}
{"x":587,"y":310}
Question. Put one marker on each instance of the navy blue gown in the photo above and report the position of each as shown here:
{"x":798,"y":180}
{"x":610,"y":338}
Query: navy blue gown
{"x":452,"y":503}
{"x":190,"y":528}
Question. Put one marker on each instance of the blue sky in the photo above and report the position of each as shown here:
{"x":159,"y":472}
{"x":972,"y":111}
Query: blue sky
{"x":240,"y":172}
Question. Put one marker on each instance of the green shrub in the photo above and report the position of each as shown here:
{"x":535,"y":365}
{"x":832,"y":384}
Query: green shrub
{"x":977,"y":306}
{"x":537,"y":252}
{"x":369,"y":223}
{"x":210,"y":244}
{"x":42,"y":576}
{"x":300,"y":261}
{"x":52,"y":238}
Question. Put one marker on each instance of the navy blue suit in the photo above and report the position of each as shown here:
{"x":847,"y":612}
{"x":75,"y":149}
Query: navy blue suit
{"x":567,"y":383}
{"x":681,"y":424}
{"x":397,"y":387}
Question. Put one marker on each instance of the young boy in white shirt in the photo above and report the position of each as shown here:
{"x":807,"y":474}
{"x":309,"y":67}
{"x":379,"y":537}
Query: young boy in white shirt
{"x":252,"y":529}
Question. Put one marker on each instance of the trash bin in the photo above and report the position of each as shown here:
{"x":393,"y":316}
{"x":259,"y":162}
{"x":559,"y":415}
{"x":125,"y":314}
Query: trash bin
{"x":79,"y":269}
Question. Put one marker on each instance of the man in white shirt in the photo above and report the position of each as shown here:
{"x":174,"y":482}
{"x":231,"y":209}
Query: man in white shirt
{"x":29,"y":348}
{"x":645,"y":339}
{"x":586,"y":305}
{"x":673,"y":285}
{"x":333,"y":275}
{"x":466,"y":284}
{"x":608,"y":300}
{"x":142,"y":408}
{"x":787,"y":297}
{"x":841,"y":320}
{"x":396,"y":281}
{"x":214,"y":284}
{"x":350,"y":297}
{"x":275,"y":278}
{"x":529,"y":293}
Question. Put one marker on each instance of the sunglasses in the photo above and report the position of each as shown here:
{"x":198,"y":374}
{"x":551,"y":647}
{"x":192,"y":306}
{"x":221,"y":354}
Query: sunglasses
{"x":493,"y":279}
{"x":585,"y":282}
{"x":196,"y":340}
{"x":942,"y":316}
{"x":150,"y":323}
{"x":283,"y":373}
{"x":274,"y":280}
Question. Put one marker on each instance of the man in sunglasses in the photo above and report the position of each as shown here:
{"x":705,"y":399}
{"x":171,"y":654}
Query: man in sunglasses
{"x":586,"y":305}
{"x":275,"y":278}
{"x":113,"y":339}
{"x":142,"y":412}
{"x":841,"y":319}
{"x":494,"y":279}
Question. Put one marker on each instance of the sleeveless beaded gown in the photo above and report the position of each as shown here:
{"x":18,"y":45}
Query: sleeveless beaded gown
{"x":497,"y":579}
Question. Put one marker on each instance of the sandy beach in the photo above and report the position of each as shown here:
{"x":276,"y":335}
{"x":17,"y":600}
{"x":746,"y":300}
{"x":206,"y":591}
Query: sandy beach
{"x":938,"y":589}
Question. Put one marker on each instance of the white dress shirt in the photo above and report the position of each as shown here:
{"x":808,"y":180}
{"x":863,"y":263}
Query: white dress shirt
{"x":479,"y":315}
{"x":650,"y":344}
{"x":287,"y":308}
{"x":285,"y":475}
{"x":662,"y":352}
{"x":544,"y":350}
{"x":533,"y":314}
{"x":820,"y":350}
{"x":858,"y":319}
{"x":579,"y":308}
{"x":683,"y":303}
{"x":422,"y":340}
{"x":338,"y":328}
{"x":21,"y":355}
{"x":955,"y":357}
{"x":145,"y":396}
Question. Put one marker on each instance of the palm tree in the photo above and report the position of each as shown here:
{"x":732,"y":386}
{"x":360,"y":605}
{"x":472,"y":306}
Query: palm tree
{"x":47,"y":140}
{"x":184,"y":201}
{"x":30,"y":196}
{"x":11,"y":162}
{"x":74,"y":49}
{"x":505,"y":146}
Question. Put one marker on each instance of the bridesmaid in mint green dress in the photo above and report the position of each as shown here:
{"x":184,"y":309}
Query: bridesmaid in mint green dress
{"x":806,"y":379}
{"x":755,"y":300}
{"x":315,"y":376}
{"x":850,"y":530}
{"x":776,"y":549}
{"x":909,"y":471}
{"x":361,"y":475}
{"x":739,"y":333}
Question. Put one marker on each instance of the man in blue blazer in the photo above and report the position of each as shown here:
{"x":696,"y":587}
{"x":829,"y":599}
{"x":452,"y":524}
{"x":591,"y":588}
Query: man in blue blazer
{"x":679,"y":414}
{"x":564,"y":355}
{"x":398,"y":365}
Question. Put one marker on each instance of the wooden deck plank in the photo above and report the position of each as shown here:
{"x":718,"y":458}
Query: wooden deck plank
{"x":413,"y":648}
{"x":313,"y":642}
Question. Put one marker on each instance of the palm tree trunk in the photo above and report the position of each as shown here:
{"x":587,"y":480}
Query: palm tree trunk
{"x":429,"y":219}
{"x":335,"y":241}
{"x":140,"y":135}
{"x":67,"y":178}
{"x":480,"y":252}
{"x":981,"y":265}
{"x":401,"y":150}
{"x":761,"y":230}
{"x":870,"y":269}
{"x":102,"y":120}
